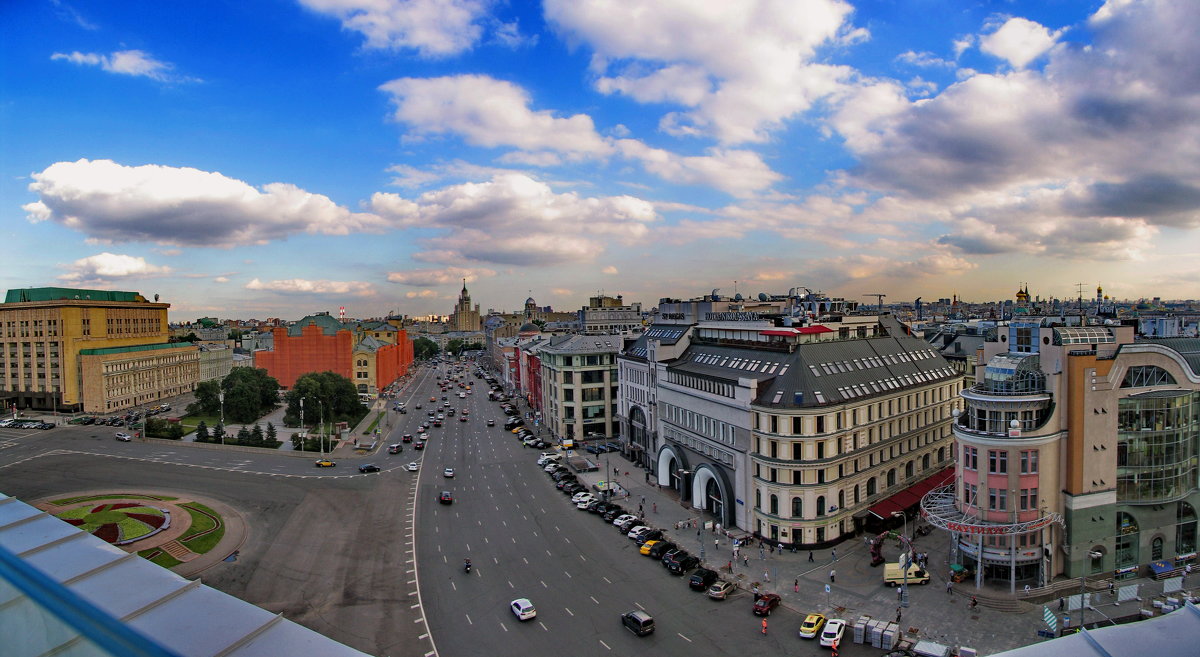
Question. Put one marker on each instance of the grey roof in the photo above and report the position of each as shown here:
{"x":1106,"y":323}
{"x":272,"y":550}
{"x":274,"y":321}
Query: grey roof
{"x":584,"y":344}
{"x":824,"y":372}
{"x":664,"y":333}
{"x":117,"y":592}
{"x":1170,"y":634}
{"x":1189,"y":348}
{"x":369,"y":343}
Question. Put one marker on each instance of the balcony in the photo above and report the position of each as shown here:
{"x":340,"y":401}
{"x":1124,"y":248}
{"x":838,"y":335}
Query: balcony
{"x":981,"y":393}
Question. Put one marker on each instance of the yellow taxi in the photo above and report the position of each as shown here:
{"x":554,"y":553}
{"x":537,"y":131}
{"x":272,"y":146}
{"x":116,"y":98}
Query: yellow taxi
{"x":325,"y":463}
{"x":811,"y":627}
{"x":646,"y":547}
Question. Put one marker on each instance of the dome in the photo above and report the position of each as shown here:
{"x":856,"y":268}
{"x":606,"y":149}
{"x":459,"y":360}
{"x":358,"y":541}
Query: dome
{"x":530,"y":302}
{"x":529,"y":327}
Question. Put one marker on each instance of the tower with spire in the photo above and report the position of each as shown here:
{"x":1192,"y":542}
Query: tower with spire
{"x":465,"y":317}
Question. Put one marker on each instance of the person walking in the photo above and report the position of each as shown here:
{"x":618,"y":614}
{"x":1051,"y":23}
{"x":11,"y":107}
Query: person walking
{"x":832,"y":575}
{"x":655,"y":507}
{"x":746,"y":561}
{"x":974,"y":602}
{"x":716,"y":544}
{"x":766,"y":577}
{"x":810,"y":556}
{"x":949,"y":587}
{"x":796,"y":585}
{"x":764,"y":626}
{"x":833,"y":555}
{"x":897,"y":614}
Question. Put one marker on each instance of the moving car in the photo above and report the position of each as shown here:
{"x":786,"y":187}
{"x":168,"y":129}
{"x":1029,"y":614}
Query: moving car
{"x":638,"y":622}
{"x":765,"y":603}
{"x":368,"y":467}
{"x":721,"y":590}
{"x":448,"y":472}
{"x":491,"y":423}
{"x":811,"y":626}
{"x":523,"y":609}
{"x":395,"y":448}
{"x":446,"y":497}
{"x":462,"y":418}
{"x":834,"y":630}
{"x":420,"y":445}
{"x":123,"y":437}
{"x":413,"y":467}
{"x":407,"y":438}
{"x":325,"y":463}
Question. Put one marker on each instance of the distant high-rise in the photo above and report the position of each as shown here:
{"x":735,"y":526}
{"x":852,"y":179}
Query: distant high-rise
{"x":465,"y":317}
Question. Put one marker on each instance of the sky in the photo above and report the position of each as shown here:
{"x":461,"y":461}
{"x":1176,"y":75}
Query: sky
{"x":283,"y":157}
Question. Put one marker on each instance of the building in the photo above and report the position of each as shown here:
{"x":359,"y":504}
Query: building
{"x":96,"y":351}
{"x":579,"y":385}
{"x":1078,"y":450}
{"x":216,"y":361}
{"x":465,"y":318}
{"x":320,"y":343}
{"x":610,"y":316}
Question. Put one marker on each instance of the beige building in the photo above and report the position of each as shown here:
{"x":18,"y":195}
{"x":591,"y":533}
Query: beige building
{"x":465,"y":318}
{"x":89,"y":350}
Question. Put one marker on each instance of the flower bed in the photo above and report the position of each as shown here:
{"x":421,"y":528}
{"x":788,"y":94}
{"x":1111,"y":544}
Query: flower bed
{"x":119,"y":523}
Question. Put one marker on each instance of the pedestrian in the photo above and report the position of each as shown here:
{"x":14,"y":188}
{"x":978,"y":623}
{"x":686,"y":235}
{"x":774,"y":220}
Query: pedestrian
{"x":643,"y":499}
{"x":1112,"y":588}
{"x":897,"y":614}
{"x":761,"y":554}
{"x":949,"y":587}
{"x":647,"y":476}
{"x":716,"y":544}
{"x":766,"y":577}
{"x":754,"y":590}
{"x":833,"y":555}
{"x":745,"y":561}
{"x":832,"y":575}
{"x":796,"y":585}
{"x":974,"y":602}
{"x":656,"y":507}
{"x":810,"y":556}
{"x":616,"y":472}
{"x":764,"y":625}
{"x":729,"y":566}
{"x":1061,"y":604}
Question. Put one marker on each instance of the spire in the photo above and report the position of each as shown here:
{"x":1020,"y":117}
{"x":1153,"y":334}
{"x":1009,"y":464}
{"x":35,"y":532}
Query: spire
{"x":464,"y":286}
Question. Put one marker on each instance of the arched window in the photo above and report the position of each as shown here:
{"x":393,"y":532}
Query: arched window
{"x":856,"y":500}
{"x":821,"y":506}
{"x":891,"y":477}
{"x":841,"y":499}
{"x":1141,"y":376}
{"x":1127,"y":540}
{"x":797,"y":507}
{"x":908,"y":470}
{"x":1156,"y":548}
{"x":871,"y":486}
{"x":941,"y":454}
{"x":925,"y":462}
{"x":758,"y":499}
{"x":774,"y":505}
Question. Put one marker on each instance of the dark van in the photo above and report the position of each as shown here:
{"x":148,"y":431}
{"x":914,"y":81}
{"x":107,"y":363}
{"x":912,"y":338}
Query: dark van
{"x":638,"y":622}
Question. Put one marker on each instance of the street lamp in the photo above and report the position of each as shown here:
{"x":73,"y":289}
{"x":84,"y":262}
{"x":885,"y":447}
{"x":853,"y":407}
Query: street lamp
{"x":898,"y":514}
{"x":221,"y":398}
{"x":907,"y":561}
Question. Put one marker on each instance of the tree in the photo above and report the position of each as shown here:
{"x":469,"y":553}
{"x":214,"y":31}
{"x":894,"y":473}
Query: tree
{"x":218,"y":434}
{"x":243,"y":436}
{"x":207,"y":400}
{"x":271,"y":433}
{"x":454,"y":346}
{"x":202,"y":432}
{"x":327,"y":396}
{"x":424,"y":348}
{"x":256,"y":435}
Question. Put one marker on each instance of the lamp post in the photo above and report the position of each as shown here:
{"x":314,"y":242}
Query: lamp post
{"x":221,"y":398}
{"x":906,"y":561}
{"x":303,"y":430}
{"x":904,"y":515}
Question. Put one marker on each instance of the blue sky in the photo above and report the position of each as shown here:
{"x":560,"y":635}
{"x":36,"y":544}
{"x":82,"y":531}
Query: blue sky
{"x":275,"y":158}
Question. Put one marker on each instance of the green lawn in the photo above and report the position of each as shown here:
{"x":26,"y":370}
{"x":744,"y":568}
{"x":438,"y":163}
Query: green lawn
{"x":72,"y":500}
{"x":162,"y":558}
{"x":201,"y":523}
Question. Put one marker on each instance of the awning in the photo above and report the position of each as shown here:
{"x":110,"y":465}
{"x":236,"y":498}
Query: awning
{"x":910,"y":496}
{"x":1160,"y":567}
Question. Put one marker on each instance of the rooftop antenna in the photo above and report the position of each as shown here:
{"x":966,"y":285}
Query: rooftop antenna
{"x":879,"y":299}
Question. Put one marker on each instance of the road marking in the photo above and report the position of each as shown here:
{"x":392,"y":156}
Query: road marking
{"x":502,"y":626}
{"x":568,"y":610}
{"x":543,"y":626}
{"x":452,"y":585}
{"x":414,"y":593}
{"x":548,"y":553}
{"x":414,"y":606}
{"x":684,"y":637}
{"x":495,"y":561}
{"x":510,"y":585}
{"x":557,"y":529}
{"x":544,"y":584}
{"x":525,"y":560}
{"x":468,"y":619}
{"x":594,"y":600}
{"x":418,"y":620}
{"x":514,"y":539}
{"x":485,"y":540}
{"x":583,"y":557}
{"x":567,"y":574}
{"x":639,"y":606}
{"x":606,"y":579}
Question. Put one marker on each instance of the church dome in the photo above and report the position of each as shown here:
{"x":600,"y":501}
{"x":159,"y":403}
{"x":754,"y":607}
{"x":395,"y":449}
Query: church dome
{"x":530,"y":302}
{"x":529,"y":327}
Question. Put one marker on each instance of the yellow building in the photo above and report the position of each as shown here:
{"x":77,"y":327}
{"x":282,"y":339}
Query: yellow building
{"x":96,"y":351}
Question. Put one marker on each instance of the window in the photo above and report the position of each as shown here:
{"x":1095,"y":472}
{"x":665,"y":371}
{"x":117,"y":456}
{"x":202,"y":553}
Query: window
{"x":1029,"y":499}
{"x":970,"y":458}
{"x":1147,"y":375}
{"x":997,"y":462}
{"x":797,"y":507}
{"x":1029,"y":462}
{"x":820,"y":506}
{"x":997,"y":499}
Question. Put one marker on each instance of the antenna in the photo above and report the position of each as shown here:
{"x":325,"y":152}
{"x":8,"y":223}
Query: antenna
{"x":879,"y":299}
{"x":1079,"y":289}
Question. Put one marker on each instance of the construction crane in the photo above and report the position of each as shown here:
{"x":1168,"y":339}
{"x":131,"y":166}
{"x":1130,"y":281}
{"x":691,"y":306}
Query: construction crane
{"x":879,"y":300}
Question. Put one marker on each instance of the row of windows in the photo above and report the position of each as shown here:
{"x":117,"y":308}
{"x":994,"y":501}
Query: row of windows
{"x":1027,"y":498}
{"x":818,"y":475}
{"x":701,"y":383}
{"x":35,"y":328}
{"x":805,"y":425}
{"x":998,"y":460}
{"x":702,"y":424}
{"x":704,"y":447}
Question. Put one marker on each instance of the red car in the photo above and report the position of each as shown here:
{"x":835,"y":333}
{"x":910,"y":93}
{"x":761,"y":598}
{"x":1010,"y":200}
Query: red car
{"x":437,"y":423}
{"x":462,"y":418}
{"x":419,"y":445}
{"x":407,"y":438}
{"x":765,"y":604}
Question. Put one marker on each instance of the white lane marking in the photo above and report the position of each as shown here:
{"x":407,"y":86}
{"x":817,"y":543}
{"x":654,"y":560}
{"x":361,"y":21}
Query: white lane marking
{"x":604,"y":644}
{"x":469,"y":622}
{"x":583,"y":557}
{"x":639,"y":606}
{"x":413,"y":606}
{"x":510,"y":585}
{"x":502,"y":626}
{"x":594,"y":600}
{"x":543,"y":626}
{"x":546,"y":587}
{"x":568,"y":610}
{"x":452,"y":585}
{"x":485,"y":540}
{"x":606,"y":579}
{"x":525,"y":560}
{"x":418,"y":620}
{"x":684,"y":637}
{"x":567,"y":574}
{"x":566,"y":539}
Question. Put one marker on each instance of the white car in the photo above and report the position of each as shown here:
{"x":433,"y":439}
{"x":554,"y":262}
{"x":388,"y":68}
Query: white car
{"x":448,"y":472}
{"x":413,"y":467}
{"x":523,"y":609}
{"x":424,"y":437}
{"x":582,"y":498}
{"x":462,"y":395}
{"x":583,"y":502}
{"x":637,"y":530}
{"x":833,"y":632}
{"x":619,"y":520}
{"x":124,"y":437}
{"x":581,"y":494}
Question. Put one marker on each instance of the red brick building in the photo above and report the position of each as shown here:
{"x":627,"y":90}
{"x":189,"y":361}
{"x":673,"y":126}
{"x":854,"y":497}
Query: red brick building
{"x":323,"y":345}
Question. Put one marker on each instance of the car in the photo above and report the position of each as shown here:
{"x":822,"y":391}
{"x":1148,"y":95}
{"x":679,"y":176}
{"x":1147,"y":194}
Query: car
{"x":614,"y":511}
{"x":621,"y":520}
{"x":420,"y":445}
{"x":682,"y":564}
{"x":444,"y":398}
{"x":637,"y":530}
{"x":462,"y":418}
{"x":491,"y":423}
{"x":446,"y":497}
{"x":572,"y":488}
{"x":652,"y":535}
{"x":433,"y":399}
{"x":721,"y":590}
{"x":446,"y":404}
{"x":765,"y":603}
{"x":812,"y":625}
{"x":834,"y":629}
{"x":646,"y":547}
{"x":660,"y":548}
{"x":578,"y":496}
{"x":123,"y":437}
{"x":413,"y":467}
{"x":448,"y":473}
{"x":437,"y":423}
{"x":423,"y":437}
{"x":441,"y":416}
{"x":421,"y":428}
{"x":403,"y":411}
{"x":702,"y":579}
{"x":638,"y":622}
{"x":418,"y":407}
{"x":368,"y":467}
{"x":395,"y":448}
{"x":407,"y":438}
{"x":523,"y":609}
{"x":325,"y":463}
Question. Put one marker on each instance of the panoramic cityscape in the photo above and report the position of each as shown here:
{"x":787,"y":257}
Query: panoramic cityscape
{"x":459,"y":327}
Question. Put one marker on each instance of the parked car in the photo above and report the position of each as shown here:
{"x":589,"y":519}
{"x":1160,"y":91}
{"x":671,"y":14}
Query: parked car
{"x":660,"y":548}
{"x":638,"y":622}
{"x":682,"y":564}
{"x":368,"y":467}
{"x":702,"y":579}
{"x":721,"y":590}
{"x":652,"y":535}
{"x":637,"y":530}
{"x":646,"y":547}
{"x":812,"y":625}
{"x":834,"y":629}
{"x":765,"y":603}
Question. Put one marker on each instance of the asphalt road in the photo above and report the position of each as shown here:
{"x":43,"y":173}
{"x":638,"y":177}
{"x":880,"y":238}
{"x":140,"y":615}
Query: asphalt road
{"x":333,"y":549}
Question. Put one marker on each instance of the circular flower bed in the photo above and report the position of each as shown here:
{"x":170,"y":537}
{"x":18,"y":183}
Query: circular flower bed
{"x":119,"y":523}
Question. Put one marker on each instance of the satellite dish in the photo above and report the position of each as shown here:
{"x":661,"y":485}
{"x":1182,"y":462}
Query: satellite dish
{"x":792,"y":292}
{"x":762,"y":296}
{"x":714,"y":292}
{"x":156,"y":298}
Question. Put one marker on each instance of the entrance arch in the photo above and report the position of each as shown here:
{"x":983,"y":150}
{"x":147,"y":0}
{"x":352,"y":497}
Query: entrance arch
{"x":639,"y":434}
{"x":711,"y":492}
{"x":668,"y":468}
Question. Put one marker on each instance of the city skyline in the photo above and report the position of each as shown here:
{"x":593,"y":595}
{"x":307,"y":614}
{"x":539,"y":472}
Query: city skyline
{"x":282,"y":159}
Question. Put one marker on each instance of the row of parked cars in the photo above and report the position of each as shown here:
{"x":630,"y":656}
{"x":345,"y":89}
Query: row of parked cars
{"x":517,"y":426}
{"x":25,"y":424}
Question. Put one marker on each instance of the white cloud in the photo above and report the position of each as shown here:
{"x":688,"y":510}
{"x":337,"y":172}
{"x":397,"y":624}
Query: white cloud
{"x":431,"y":27}
{"x":738,"y":172}
{"x":109,"y":266}
{"x":438,"y":276}
{"x":125,"y":62}
{"x":923,"y":59}
{"x":516,"y":220}
{"x":303,"y":286}
{"x":741,"y":69}
{"x":423,"y":294}
{"x":610,"y":270}
{"x":221,"y":279}
{"x":171,"y":206}
{"x":1019,"y":41}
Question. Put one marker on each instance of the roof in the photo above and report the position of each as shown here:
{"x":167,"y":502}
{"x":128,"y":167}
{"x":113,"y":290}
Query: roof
{"x":667,"y":334}
{"x":23,"y":295}
{"x":584,"y":344}
{"x":85,"y":596}
{"x":1189,"y":348}
{"x":329,"y":325}
{"x":1169,"y":634}
{"x":369,"y":344}
{"x":135,"y":347}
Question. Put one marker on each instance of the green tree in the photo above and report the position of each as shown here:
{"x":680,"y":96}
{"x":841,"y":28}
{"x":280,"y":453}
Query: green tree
{"x":454,"y":346}
{"x":243,"y":436}
{"x":272,"y":435}
{"x":218,"y":434}
{"x":327,"y":396}
{"x":202,"y":432}
{"x":207,"y":401}
{"x":256,"y":435}
{"x":249,"y":394}
{"x":424,"y":348}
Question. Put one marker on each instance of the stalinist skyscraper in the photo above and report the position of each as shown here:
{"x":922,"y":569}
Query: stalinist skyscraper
{"x":464,"y":317}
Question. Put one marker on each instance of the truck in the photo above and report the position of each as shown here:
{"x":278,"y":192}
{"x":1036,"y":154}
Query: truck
{"x":893,"y":574}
